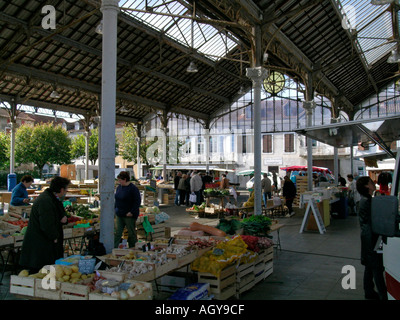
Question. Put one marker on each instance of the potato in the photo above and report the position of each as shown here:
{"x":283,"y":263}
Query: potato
{"x":59,"y":271}
{"x":67,"y":270}
{"x":76,"y":275}
{"x":66,"y":278}
{"x":23,"y":273}
{"x":75,"y":269}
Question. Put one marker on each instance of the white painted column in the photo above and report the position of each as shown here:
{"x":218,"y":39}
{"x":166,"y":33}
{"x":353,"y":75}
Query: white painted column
{"x":336,"y":164}
{"x":257,"y":75}
{"x":87,"y":143}
{"x":164,"y":157}
{"x":110,"y":11}
{"x":207,"y":146}
{"x":138,"y":163}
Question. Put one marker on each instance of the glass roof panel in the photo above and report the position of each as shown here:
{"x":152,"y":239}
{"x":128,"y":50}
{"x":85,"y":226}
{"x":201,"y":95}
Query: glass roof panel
{"x":373,"y":24}
{"x":208,"y":40}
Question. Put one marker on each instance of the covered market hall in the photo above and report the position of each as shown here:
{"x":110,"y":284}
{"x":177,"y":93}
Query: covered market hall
{"x":237,"y":88}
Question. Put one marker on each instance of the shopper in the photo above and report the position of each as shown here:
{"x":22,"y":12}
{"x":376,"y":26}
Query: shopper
{"x":267,"y":188}
{"x":127,"y":203}
{"x":224,"y":183}
{"x":353,"y":195}
{"x":275,"y":180}
{"x":371,"y":259}
{"x":182,"y":189}
{"x":19,"y":195}
{"x":342,"y":181}
{"x":43,"y":240}
{"x":207,"y":179}
{"x":176,"y":183}
{"x":187,"y":187}
{"x":289,"y":192}
{"x":384,"y":179}
{"x":195,"y":186}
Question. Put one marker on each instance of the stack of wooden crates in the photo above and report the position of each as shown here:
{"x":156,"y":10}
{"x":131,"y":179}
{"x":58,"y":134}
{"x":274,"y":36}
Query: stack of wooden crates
{"x":168,"y":197}
{"x":148,"y":198}
{"x":302,"y":186}
{"x":239,"y":278}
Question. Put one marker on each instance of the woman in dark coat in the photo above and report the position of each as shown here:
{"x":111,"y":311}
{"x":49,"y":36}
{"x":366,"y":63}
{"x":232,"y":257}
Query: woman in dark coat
{"x":372,"y":260}
{"x":43,"y":241}
{"x":289,"y":192}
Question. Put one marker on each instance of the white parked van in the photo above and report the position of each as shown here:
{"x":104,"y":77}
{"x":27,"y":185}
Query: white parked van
{"x":250,"y":183}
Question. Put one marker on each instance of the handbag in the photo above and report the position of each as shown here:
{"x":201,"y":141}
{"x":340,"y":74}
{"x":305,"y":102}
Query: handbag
{"x":192,"y":197}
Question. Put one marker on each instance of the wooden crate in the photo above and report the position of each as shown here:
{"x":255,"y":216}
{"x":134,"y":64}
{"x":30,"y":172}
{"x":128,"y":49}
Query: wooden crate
{"x":269,"y":254}
{"x":117,"y":276}
{"x":182,"y":260}
{"x":22,"y":285}
{"x":149,"y":198}
{"x":244,"y":278}
{"x":151,"y":217}
{"x":159,"y":232}
{"x":18,"y":241}
{"x":223,"y":286}
{"x":168,"y":198}
{"x":7,"y":229}
{"x":259,"y":272}
{"x":146,"y":295}
{"x":263,"y":266}
{"x":7,"y":241}
{"x":71,"y":291}
{"x":70,"y":233}
{"x":243,"y":270}
{"x":301,"y":186}
{"x":269,"y":268}
{"x":51,"y":294}
{"x":149,"y":276}
{"x":16,"y":211}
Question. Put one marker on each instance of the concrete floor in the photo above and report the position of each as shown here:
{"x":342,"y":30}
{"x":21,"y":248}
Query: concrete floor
{"x":308,"y":266}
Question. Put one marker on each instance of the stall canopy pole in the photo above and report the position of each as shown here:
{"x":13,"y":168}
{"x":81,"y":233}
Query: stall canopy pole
{"x":207,"y":145}
{"x":257,"y":74}
{"x":309,"y":106}
{"x":110,"y":10}
{"x":87,"y":142}
{"x":138,"y":141}
{"x":13,"y":124}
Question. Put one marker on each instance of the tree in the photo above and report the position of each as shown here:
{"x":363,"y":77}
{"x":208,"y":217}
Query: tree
{"x":128,"y":145}
{"x":79,"y":143}
{"x":42,"y":144}
{"x":128,"y":149}
{"x":4,"y":150}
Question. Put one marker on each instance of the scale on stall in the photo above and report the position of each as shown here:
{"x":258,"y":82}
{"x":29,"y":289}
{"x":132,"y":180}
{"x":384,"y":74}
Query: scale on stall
{"x":312,"y":207}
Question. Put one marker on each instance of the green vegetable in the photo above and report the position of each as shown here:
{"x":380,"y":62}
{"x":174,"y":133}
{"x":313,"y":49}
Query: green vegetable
{"x":256,"y":225}
{"x":229,"y":226}
{"x":23,"y":230}
{"x":79,"y":210}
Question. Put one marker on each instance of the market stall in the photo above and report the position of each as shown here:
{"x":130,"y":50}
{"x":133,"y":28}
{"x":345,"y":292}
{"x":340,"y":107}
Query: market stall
{"x":239,"y":263}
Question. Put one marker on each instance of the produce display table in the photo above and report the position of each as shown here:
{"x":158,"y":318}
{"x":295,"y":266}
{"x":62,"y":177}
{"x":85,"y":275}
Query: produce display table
{"x":277,"y":227}
{"x":221,"y":200}
{"x":5,"y":196}
{"x":273,"y":210}
{"x":242,"y":260}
